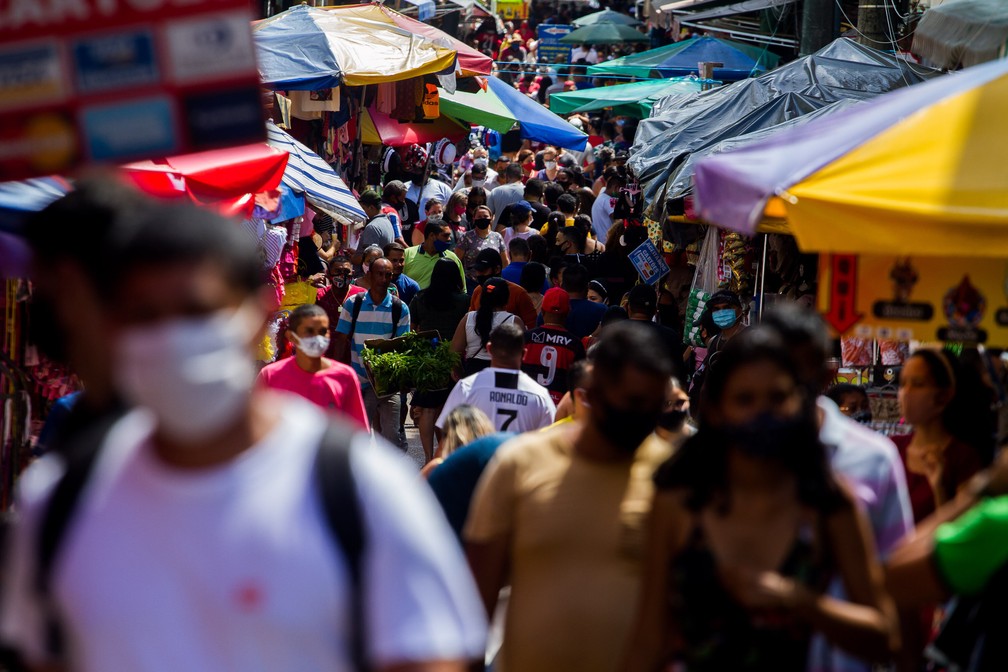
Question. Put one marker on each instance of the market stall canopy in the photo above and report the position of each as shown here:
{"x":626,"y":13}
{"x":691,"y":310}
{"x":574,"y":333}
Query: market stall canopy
{"x":380,"y":129}
{"x":604,"y":33}
{"x":470,"y":61}
{"x":18,"y":200}
{"x":482,"y":108}
{"x":634,"y":99}
{"x":961,"y":33}
{"x":681,"y":58}
{"x":680,"y":125}
{"x":308,"y":174}
{"x":426,"y":9}
{"x":536,"y":122}
{"x":916,"y":171}
{"x":310,"y":48}
{"x":605,"y":16}
{"x":226,"y":179}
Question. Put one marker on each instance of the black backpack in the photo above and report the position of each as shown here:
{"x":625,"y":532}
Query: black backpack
{"x":339,"y":503}
{"x":358,"y":301}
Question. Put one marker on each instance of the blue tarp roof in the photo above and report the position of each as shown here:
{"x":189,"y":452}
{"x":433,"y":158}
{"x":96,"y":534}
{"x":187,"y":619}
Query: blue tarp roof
{"x":294,"y":54}
{"x":20,"y":199}
{"x":537,"y":122}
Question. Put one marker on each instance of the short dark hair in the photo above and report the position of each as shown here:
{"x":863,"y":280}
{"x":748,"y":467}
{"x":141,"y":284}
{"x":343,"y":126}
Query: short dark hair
{"x":551,"y":193}
{"x":513,"y":171}
{"x":642,"y":299}
{"x":576,"y":236}
{"x":430,"y":203}
{"x":519,"y":247}
{"x":629,"y":344}
{"x":538,"y":248}
{"x":534,"y":187}
{"x":533,"y":277}
{"x":840,"y":390}
{"x":803,"y":329}
{"x":433,"y":227}
{"x":577,"y":374}
{"x":567,"y":204}
{"x":507,"y":340}
{"x":478,"y":168}
{"x":304,"y":312}
{"x":176,"y":233}
{"x":393,"y":247}
{"x":575,"y":279}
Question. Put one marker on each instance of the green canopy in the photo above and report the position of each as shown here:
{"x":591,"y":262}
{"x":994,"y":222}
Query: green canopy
{"x":605,"y":16}
{"x":482,"y":108}
{"x":604,"y":33}
{"x":682,"y":57}
{"x":634,"y":99}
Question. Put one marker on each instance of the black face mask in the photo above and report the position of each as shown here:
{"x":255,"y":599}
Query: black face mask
{"x":771,"y":437}
{"x":673,"y":420}
{"x":624,"y":428}
{"x":482,"y":224}
{"x":864,"y":417}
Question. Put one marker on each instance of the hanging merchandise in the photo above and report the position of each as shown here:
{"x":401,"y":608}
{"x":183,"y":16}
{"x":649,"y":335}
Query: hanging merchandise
{"x":405,"y":98}
{"x":444,"y":152}
{"x":706,"y":281}
{"x":416,"y":159}
{"x":431,"y":101}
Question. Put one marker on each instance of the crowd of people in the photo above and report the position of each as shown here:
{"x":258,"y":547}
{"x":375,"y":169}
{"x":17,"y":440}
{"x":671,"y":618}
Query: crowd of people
{"x":612,"y":518}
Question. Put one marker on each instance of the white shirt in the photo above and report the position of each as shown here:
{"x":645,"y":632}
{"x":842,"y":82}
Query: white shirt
{"x":433,"y":189}
{"x":233,"y":567}
{"x":601,"y":214}
{"x":491,"y":181}
{"x":511,"y":399}
{"x":589,"y":55}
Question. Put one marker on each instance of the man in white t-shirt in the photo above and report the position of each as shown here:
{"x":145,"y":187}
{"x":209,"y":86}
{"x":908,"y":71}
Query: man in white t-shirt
{"x":199,"y":541}
{"x":604,"y":206}
{"x":509,"y":397}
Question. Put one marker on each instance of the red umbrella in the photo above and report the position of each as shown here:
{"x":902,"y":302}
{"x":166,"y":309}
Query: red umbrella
{"x":382,"y":129}
{"x":471,"y":62}
{"x":226,"y":179}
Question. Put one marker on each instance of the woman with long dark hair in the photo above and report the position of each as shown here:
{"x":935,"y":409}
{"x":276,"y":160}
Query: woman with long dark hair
{"x":473,"y":332}
{"x":952,"y":421}
{"x":748,"y":527}
{"x":439,"y":307}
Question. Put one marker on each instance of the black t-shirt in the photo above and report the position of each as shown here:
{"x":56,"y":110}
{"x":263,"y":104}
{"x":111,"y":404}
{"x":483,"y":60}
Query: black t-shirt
{"x":673,"y":346}
{"x":539,"y":214}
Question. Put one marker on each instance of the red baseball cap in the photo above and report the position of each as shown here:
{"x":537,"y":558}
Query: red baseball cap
{"x":556,"y":300}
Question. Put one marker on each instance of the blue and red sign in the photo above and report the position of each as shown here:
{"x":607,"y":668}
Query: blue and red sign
{"x":90,"y":81}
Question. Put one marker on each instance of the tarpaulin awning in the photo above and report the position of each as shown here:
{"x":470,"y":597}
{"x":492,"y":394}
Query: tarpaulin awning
{"x":226,"y":179}
{"x":19,"y":199}
{"x":917,"y":171}
{"x":606,"y":16}
{"x":680,"y":125}
{"x":634,"y":99}
{"x":425,"y":8}
{"x":536,"y":122}
{"x":309,"y":48}
{"x":307,"y":173}
{"x":709,"y":10}
{"x":961,"y":33}
{"x":470,"y":61}
{"x":380,"y":129}
{"x":604,"y":33}
{"x":681,"y":58}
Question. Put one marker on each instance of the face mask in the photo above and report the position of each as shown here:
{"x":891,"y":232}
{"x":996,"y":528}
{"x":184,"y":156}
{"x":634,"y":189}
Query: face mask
{"x":724,"y":317}
{"x":479,"y":183}
{"x":460,"y":209}
{"x":366,"y":268}
{"x":339,"y":281}
{"x":482,"y":224}
{"x":195,"y":374}
{"x":442,"y":246}
{"x":771,"y":437}
{"x":672,"y":420}
{"x":314,"y":346}
{"x":625,"y":429}
{"x":864,"y":417}
{"x":550,"y":165}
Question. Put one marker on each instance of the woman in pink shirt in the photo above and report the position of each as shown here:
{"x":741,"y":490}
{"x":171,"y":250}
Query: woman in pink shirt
{"x":322,"y":381}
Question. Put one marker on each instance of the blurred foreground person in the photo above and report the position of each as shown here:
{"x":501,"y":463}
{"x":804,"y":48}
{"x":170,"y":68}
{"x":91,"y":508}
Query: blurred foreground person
{"x":748,"y":526}
{"x":217,"y":527}
{"x":561,"y":515}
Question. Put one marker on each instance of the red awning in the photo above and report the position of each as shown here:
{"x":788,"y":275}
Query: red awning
{"x":226,"y":179}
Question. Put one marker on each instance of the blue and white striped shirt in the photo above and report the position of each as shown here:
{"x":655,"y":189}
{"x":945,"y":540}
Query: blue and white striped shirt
{"x":374,"y":321}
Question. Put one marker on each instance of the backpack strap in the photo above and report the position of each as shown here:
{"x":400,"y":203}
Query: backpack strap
{"x":358,"y":301}
{"x":396,"y":313}
{"x":343,"y":517}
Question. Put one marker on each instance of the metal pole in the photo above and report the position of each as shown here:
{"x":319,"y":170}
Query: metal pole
{"x":762,"y":278}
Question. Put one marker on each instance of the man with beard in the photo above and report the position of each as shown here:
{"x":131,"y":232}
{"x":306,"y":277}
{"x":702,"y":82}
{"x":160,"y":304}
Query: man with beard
{"x":562,"y":514}
{"x":332,"y":297}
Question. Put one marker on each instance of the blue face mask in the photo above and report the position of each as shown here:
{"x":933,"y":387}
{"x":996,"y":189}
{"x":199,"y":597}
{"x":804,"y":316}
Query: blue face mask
{"x":442,"y":246}
{"x":724,"y":317}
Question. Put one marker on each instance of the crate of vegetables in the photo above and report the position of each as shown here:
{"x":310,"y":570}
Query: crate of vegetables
{"x":416,"y":361}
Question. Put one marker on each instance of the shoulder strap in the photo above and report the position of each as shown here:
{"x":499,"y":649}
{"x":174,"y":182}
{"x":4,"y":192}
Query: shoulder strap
{"x":343,"y":517}
{"x":358,"y":301}
{"x":396,"y":314}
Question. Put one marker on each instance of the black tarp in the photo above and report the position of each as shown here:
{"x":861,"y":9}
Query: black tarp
{"x":683,"y":125}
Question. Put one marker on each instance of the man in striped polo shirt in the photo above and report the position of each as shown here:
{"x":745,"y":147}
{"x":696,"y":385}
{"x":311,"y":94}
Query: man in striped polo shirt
{"x":374,"y":314}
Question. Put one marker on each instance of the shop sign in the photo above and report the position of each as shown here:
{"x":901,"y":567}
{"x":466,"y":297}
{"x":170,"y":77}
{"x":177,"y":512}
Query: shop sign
{"x":915,"y":298}
{"x":649,"y":262}
{"x":550,"y":46}
{"x":510,"y":11}
{"x":87,"y":81}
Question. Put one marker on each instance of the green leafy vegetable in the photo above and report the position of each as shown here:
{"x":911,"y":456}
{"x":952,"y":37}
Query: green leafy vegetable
{"x":412,"y":362}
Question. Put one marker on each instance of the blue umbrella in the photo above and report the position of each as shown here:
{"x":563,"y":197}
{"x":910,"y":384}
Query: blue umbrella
{"x":537,"y":122}
{"x":680,"y":59}
{"x":294,"y":53}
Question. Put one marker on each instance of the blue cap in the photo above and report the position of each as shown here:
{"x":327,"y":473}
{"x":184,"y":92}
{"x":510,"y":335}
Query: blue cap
{"x":521,"y":208}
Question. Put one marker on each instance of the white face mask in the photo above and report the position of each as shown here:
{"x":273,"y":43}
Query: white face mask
{"x":479,"y":183}
{"x":550,"y":165}
{"x":313,"y":346}
{"x":195,"y":374}
{"x":366,"y":268}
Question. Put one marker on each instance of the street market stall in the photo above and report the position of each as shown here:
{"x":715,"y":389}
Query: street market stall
{"x":635,"y":99}
{"x":739,"y":61}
